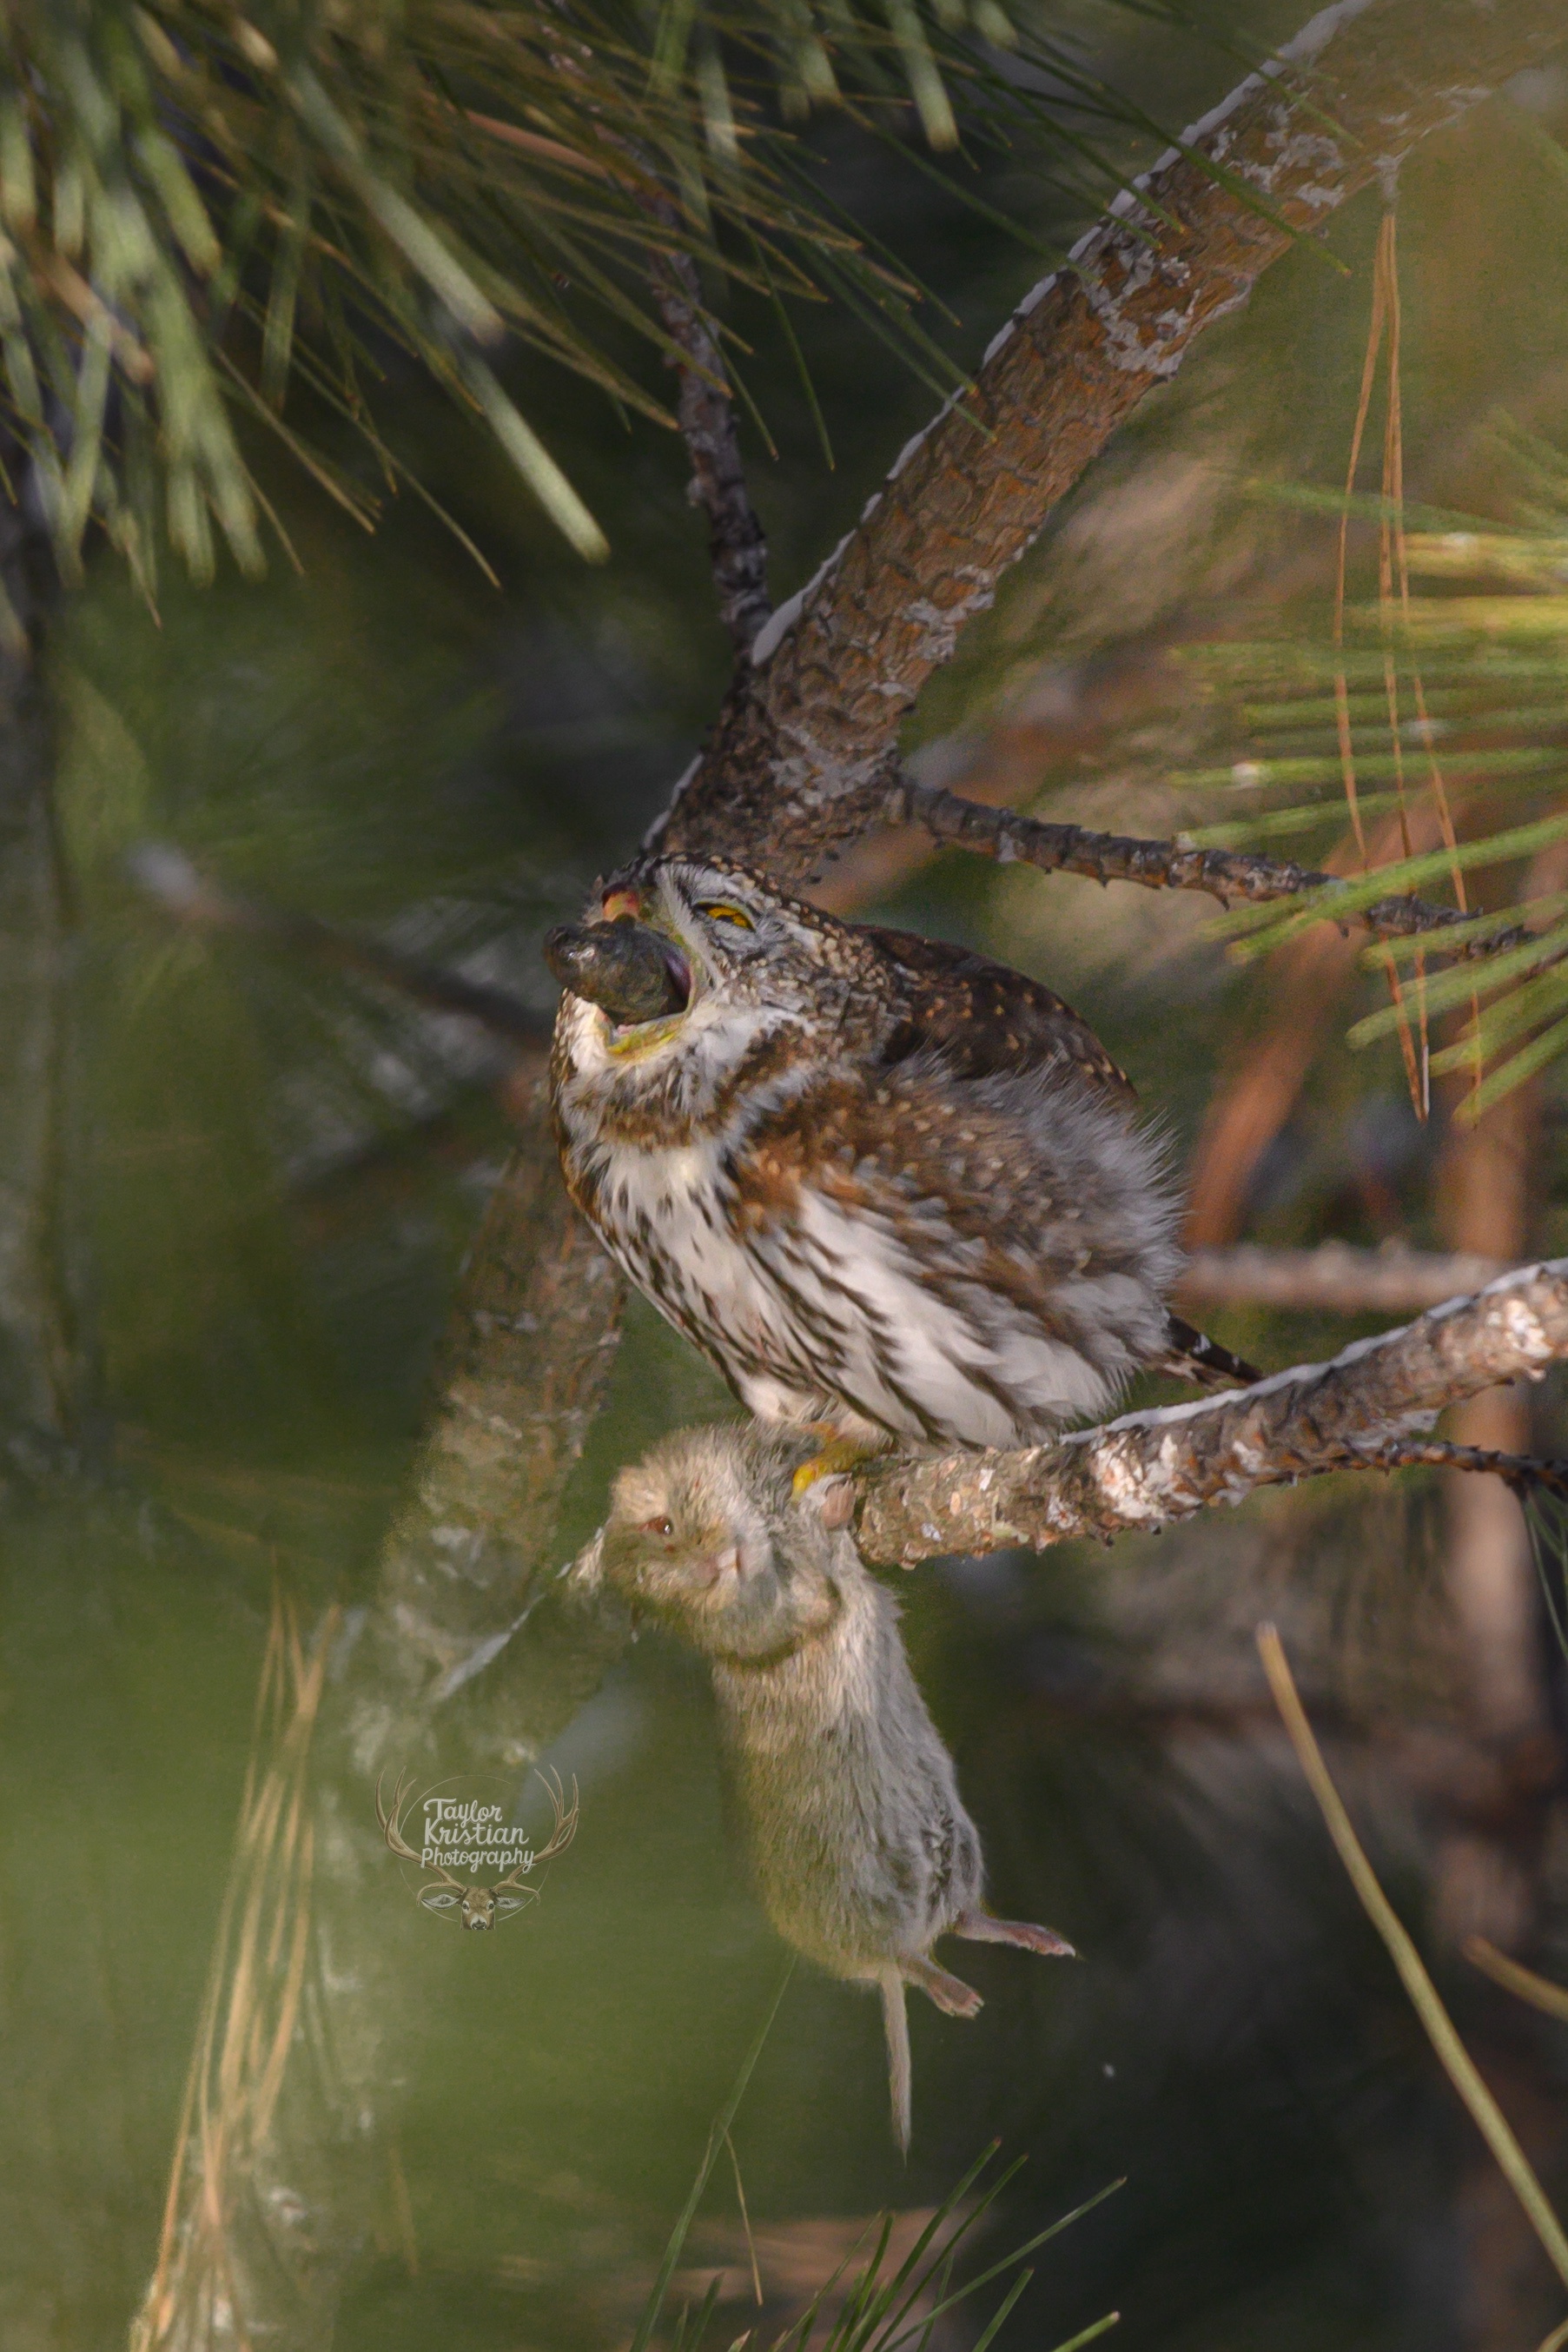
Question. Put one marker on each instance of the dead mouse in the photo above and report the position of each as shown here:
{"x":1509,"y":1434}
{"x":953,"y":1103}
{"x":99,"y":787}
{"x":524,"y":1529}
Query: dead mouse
{"x":864,"y":1852}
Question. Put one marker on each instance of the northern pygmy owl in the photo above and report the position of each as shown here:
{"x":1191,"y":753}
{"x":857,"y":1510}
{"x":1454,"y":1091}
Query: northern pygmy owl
{"x":883,"y":1183}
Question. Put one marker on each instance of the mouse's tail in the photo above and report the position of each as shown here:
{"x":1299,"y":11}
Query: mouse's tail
{"x":896,"y":2021}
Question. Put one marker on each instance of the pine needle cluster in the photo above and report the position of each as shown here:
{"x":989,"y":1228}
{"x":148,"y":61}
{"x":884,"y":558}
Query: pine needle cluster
{"x":201,"y":205}
{"x":1441,"y":718}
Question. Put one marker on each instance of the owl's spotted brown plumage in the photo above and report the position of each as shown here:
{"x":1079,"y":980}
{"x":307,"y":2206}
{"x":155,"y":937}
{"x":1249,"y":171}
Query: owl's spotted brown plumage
{"x":884,"y":1184}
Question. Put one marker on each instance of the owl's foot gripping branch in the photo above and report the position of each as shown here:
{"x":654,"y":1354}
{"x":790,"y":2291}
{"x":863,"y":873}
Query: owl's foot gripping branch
{"x":1368,"y":1409}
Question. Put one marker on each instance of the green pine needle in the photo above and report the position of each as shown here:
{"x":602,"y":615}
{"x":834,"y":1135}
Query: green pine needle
{"x":172,"y":172}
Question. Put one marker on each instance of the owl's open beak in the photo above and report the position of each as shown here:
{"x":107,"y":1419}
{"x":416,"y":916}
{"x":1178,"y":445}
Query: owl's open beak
{"x":632,"y":972}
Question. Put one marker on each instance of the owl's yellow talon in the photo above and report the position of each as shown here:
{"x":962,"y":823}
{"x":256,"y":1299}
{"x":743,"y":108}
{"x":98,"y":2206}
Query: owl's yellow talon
{"x":839,"y":1454}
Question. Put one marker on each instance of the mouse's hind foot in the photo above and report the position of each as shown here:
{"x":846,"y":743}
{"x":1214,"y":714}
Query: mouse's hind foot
{"x":951,"y":1994}
{"x":979,"y":1928}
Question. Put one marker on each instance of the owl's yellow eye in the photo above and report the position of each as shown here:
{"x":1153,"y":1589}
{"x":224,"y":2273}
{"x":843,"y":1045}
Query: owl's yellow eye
{"x":720,"y":911}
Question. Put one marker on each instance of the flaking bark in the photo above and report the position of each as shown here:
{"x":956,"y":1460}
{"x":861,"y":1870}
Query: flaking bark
{"x":1149,"y":1468}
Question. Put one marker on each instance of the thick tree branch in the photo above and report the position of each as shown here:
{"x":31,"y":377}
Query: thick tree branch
{"x":528,"y":1350}
{"x":1149,"y":1468}
{"x":1235,"y":876}
{"x":804,"y":753}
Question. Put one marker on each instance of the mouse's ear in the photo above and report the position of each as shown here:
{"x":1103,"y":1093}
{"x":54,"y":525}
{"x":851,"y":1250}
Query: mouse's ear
{"x":831,"y":1498}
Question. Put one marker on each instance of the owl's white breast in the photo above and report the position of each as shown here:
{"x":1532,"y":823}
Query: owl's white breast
{"x":910,"y":1358}
{"x":667,"y":1213}
{"x":821,"y":1309}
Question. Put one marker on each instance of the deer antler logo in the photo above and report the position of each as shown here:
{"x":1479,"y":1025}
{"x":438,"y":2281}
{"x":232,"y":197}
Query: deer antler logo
{"x":466,"y":1835}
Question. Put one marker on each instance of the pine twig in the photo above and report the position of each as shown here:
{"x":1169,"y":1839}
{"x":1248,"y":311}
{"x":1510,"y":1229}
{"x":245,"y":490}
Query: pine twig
{"x":1234,"y":877}
{"x":1520,"y":1471}
{"x":736,"y":547}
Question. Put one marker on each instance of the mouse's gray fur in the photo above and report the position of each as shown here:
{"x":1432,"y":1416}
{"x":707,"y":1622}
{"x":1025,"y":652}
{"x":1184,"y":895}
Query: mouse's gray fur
{"x":864,"y":1852}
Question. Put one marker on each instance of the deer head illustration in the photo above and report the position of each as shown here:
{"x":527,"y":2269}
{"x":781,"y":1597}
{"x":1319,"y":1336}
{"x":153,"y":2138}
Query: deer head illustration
{"x":470,"y":1905}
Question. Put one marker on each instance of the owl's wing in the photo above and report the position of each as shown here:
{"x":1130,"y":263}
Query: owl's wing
{"x":983,"y":1018}
{"x":949,"y":1262}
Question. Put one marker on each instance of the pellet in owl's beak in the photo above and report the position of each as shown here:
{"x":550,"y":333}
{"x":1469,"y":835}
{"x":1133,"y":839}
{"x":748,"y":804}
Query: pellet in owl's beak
{"x":631,"y":972}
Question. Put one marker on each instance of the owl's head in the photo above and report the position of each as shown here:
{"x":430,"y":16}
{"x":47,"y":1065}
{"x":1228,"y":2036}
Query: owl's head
{"x":680,"y":958}
{"x":706,"y":1534}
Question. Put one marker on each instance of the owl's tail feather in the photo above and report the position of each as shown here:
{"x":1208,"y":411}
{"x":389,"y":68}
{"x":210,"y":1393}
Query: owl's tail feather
{"x":896,"y":2021}
{"x":1194,"y":1357}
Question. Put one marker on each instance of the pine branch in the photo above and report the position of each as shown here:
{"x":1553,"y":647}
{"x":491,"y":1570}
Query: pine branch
{"x":528,"y":1350}
{"x":173,"y":178}
{"x":736,"y":547}
{"x":804,"y":753}
{"x":169,"y":878}
{"x":1234,"y":877}
{"x":1522,"y":1472}
{"x":1334,"y":1278}
{"x":1363,"y":1411}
